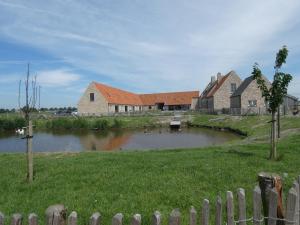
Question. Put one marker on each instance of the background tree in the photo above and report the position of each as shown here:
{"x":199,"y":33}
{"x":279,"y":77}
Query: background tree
{"x":274,"y":95}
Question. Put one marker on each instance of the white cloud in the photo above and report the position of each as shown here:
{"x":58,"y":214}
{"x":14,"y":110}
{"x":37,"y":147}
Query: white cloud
{"x":156,"y":45}
{"x":56,"y":78}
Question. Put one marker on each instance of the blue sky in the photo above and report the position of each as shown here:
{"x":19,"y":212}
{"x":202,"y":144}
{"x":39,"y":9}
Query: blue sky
{"x":141,"y":46}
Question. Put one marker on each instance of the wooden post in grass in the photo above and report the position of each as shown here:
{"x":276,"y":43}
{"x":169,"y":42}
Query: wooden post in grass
{"x":117,"y":219}
{"x":193,"y":216}
{"x":72,"y":219}
{"x":291,"y":207}
{"x":16,"y":219}
{"x":241,"y":206}
{"x":219,"y":211}
{"x":136,"y":219}
{"x":296,"y":187}
{"x":156,"y":218}
{"x":257,"y":217}
{"x":273,"y":199}
{"x":229,"y":208}
{"x":32,"y":219}
{"x":174,"y":218}
{"x":205,"y":212}
{"x":95,"y":219}
{"x":1,"y":218}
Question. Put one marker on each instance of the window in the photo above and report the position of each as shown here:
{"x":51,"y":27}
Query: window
{"x":252,"y":103}
{"x":233,"y":87}
{"x":150,"y":107}
{"x":92,"y":97}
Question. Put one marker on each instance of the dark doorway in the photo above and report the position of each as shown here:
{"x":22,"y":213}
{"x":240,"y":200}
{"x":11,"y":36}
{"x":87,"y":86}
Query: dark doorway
{"x":160,"y":106}
{"x":116,"y":108}
{"x":126,"y":108}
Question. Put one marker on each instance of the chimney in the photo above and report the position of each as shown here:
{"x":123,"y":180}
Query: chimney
{"x":213,"y":79}
{"x":219,"y":76}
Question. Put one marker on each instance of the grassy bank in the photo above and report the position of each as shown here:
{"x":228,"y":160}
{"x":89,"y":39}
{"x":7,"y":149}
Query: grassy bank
{"x":142,"y":182}
{"x":74,"y":123}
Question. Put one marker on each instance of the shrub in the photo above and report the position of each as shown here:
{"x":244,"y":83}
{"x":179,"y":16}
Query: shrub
{"x":100,"y":124}
{"x":117,"y":123}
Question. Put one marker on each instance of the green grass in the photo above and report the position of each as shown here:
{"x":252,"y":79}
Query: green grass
{"x":142,"y":182}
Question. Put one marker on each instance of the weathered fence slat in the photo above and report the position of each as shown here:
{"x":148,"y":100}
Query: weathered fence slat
{"x":219,"y":211}
{"x":136,"y":219}
{"x":291,"y":207}
{"x":257,"y":202}
{"x":1,"y":218}
{"x":299,"y":197}
{"x":174,"y":218}
{"x":72,"y":219}
{"x":273,"y":199}
{"x":16,"y":219}
{"x":32,"y":219}
{"x":156,"y":218}
{"x":193,"y":216}
{"x":95,"y":219}
{"x":56,"y":218}
{"x":241,"y":206}
{"x":229,"y":208}
{"x":117,"y":219}
{"x":205,"y":212}
{"x":296,"y":187}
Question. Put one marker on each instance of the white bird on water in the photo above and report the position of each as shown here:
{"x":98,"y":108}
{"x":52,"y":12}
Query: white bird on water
{"x":20,"y":131}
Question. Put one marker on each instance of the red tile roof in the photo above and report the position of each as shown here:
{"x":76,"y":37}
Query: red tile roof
{"x":118,"y":96}
{"x":170,"y":98}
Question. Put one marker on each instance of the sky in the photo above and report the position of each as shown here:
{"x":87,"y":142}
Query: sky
{"x":139,"y":45}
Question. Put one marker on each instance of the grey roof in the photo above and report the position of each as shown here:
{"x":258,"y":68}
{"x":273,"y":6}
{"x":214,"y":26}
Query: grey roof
{"x":291,"y":96}
{"x":243,"y":86}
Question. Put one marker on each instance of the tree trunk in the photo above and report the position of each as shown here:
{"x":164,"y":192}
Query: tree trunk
{"x":268,"y":181}
{"x":278,"y":122}
{"x":29,"y":152}
{"x":273,"y":153}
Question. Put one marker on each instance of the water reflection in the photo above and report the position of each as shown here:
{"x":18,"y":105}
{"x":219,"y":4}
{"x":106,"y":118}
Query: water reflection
{"x":161,"y":138}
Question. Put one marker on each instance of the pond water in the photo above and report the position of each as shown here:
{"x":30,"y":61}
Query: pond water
{"x":75,"y":141}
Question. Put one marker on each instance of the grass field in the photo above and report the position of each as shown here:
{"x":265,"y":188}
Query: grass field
{"x":142,"y":182}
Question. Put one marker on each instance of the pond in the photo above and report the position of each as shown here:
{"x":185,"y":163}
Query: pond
{"x":76,"y":141}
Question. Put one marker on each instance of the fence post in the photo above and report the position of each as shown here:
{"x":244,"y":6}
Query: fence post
{"x":296,"y":187}
{"x":229,"y":208}
{"x":156,"y":218}
{"x":241,"y":206}
{"x":72,"y":219}
{"x":257,"y":202}
{"x":136,"y":219}
{"x":117,"y":219}
{"x":291,"y":207}
{"x":56,"y":219}
{"x":219,"y":211}
{"x":1,"y":218}
{"x":205,"y":212}
{"x":193,"y":216}
{"x":95,"y":219}
{"x":16,"y":219}
{"x":32,"y":219}
{"x":174,"y":218}
{"x":273,"y":199}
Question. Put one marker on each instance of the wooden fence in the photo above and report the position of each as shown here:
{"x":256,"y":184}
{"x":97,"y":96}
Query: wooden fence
{"x":292,"y":216}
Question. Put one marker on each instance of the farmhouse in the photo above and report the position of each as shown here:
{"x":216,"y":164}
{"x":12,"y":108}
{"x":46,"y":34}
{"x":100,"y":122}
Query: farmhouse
{"x":247,"y":99}
{"x":216,"y":96}
{"x":102,"y":99}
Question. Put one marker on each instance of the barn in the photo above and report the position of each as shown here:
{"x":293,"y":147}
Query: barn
{"x":101,"y":99}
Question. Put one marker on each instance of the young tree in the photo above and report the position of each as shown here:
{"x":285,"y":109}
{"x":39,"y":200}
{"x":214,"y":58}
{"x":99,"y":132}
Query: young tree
{"x":274,"y":95}
{"x":30,"y":102}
